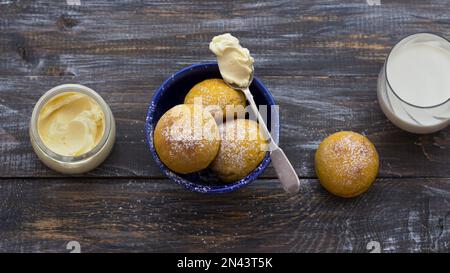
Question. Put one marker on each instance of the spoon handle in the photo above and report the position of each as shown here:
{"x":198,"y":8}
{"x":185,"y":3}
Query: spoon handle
{"x":286,"y":173}
{"x":261,"y":121}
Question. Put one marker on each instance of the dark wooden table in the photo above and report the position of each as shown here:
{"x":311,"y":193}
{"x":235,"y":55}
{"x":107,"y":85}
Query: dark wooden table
{"x":319,"y":58}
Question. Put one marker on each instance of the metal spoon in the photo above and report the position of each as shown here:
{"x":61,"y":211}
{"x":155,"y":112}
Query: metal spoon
{"x":286,"y":173}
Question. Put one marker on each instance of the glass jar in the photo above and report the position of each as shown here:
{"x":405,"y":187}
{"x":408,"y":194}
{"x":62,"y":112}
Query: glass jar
{"x":402,"y":111}
{"x":73,"y":164}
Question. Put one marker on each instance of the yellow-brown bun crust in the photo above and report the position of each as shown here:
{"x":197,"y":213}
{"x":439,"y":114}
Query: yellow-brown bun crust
{"x":242,"y":149}
{"x":187,"y":138}
{"x":346,"y":163}
{"x":215,"y":92}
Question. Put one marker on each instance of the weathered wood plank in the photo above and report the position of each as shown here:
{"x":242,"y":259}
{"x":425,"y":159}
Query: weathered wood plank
{"x":319,"y":58}
{"x":310,"y":108}
{"x":404,"y":215}
{"x":125,"y":50}
{"x":287,"y":38}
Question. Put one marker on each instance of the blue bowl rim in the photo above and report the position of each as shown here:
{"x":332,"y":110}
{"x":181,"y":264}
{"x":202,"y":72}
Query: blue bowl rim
{"x":225,"y":188}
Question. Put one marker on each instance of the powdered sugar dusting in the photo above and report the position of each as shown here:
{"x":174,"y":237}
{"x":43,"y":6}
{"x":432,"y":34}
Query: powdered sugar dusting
{"x":189,"y":130}
{"x":187,"y":134}
{"x":241,"y":150}
{"x":351,"y":157}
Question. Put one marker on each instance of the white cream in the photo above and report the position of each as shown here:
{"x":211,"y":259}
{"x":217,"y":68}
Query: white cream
{"x":235,"y":62}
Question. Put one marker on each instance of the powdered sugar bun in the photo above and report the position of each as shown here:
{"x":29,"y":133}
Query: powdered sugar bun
{"x":242,"y":149}
{"x":187,"y":138}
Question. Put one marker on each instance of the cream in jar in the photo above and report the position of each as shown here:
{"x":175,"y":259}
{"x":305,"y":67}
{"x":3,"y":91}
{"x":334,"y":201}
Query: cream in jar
{"x":71,"y":124}
{"x":72,"y":129}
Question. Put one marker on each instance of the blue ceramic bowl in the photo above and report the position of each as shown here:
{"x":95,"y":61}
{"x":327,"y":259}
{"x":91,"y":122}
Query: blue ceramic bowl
{"x":171,"y":93}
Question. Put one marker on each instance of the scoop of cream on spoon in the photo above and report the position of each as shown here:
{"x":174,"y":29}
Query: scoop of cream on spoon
{"x":235,"y":62}
{"x":236,"y":68}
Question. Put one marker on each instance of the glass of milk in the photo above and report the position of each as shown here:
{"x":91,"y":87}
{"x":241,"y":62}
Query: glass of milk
{"x":414,"y":84}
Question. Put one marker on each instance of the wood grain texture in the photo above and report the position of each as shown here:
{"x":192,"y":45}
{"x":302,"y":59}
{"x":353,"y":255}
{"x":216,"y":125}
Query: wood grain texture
{"x":138,"y":215}
{"x":320,"y":59}
{"x":310,"y":108}
{"x":287,"y":38}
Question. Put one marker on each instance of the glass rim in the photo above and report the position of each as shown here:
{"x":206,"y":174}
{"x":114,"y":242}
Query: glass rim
{"x":76,"y":88}
{"x":387,"y":61}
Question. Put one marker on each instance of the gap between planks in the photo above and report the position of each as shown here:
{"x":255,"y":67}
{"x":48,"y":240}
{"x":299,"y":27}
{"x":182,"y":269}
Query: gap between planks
{"x":59,"y":179}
